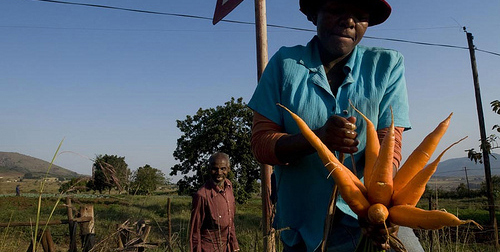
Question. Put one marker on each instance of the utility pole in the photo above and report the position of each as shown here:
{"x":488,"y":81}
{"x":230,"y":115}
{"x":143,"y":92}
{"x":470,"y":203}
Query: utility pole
{"x":265,"y":170}
{"x":486,"y":156}
{"x":467,"y":179}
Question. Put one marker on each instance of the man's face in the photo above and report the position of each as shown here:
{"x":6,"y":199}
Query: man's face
{"x":219,"y":169}
{"x":340,"y":27}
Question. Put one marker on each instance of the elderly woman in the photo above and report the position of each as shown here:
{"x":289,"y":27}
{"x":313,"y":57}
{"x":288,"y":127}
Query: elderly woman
{"x":317,"y":81}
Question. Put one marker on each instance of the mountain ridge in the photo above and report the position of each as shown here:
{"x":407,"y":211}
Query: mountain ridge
{"x":456,"y":167}
{"x":13,"y":164}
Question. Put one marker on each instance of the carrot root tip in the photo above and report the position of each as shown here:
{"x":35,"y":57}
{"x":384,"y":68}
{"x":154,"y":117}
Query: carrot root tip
{"x":475,"y":223}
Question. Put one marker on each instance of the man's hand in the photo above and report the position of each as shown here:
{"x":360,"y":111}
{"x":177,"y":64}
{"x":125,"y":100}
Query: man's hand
{"x":339,"y":134}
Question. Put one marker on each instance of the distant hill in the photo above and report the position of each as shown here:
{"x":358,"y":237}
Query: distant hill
{"x":17,"y":165}
{"x":455,"y":167}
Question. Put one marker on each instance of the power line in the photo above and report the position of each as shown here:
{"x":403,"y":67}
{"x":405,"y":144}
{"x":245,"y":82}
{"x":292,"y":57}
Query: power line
{"x":252,"y":23}
{"x":387,"y":39}
{"x":494,"y":53}
{"x":421,"y":28}
{"x":125,"y":9}
{"x":109,"y":29}
{"x":418,"y":43}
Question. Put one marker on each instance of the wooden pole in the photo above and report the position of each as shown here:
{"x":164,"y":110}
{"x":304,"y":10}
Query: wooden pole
{"x":43,"y":223}
{"x":467,"y":179}
{"x":265,"y":170}
{"x":261,"y":36}
{"x":87,"y":230}
{"x":71,"y":226}
{"x":431,"y":232}
{"x":486,"y":155}
{"x":267,"y":230}
{"x":47,"y":242}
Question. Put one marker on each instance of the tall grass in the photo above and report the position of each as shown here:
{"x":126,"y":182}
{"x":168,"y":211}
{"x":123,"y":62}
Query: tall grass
{"x":42,"y":184}
{"x":34,"y":230}
{"x":2,"y":243}
{"x":112,"y":210}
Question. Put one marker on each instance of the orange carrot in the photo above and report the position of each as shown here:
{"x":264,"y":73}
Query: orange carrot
{"x":372,"y":146}
{"x":420,"y":156}
{"x":380,"y":187}
{"x":354,"y":178}
{"x":411,"y":193}
{"x":377,"y":214}
{"x":350,"y":192}
{"x":410,"y":216}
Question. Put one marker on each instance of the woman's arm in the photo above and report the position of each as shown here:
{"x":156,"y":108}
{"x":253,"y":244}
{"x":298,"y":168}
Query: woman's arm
{"x":271,"y":145}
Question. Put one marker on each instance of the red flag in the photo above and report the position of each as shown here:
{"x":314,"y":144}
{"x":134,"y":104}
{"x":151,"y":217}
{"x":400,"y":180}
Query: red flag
{"x":223,"y":7}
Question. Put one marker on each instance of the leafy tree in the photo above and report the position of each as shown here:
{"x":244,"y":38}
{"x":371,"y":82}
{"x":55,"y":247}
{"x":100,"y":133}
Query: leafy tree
{"x":28,"y":175}
{"x":495,"y":181}
{"x":495,"y":106}
{"x":109,"y":171}
{"x":226,"y":129}
{"x":146,"y":179}
{"x":491,"y":141}
{"x":75,"y":184}
{"x":462,"y":190}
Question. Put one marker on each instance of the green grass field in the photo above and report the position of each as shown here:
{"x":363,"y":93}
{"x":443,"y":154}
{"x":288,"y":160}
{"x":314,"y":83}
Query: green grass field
{"x":110,"y":211}
{"x":28,"y":186}
{"x":113,"y":210}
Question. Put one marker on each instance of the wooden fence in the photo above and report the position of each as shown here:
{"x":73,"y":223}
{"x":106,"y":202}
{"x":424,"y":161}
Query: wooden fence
{"x":130,"y":236}
{"x":84,"y":219}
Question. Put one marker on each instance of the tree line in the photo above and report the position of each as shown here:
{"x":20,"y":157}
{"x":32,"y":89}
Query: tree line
{"x":225,"y":128}
{"x":491,"y":142}
{"x":112,"y":172}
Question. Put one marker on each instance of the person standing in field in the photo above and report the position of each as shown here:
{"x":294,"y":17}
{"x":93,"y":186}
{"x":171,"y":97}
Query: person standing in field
{"x":317,"y":82}
{"x":212,"y":215}
{"x":18,"y":190}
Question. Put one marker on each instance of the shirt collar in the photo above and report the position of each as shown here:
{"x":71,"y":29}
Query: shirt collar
{"x":311,"y":59}
{"x":217,"y":189}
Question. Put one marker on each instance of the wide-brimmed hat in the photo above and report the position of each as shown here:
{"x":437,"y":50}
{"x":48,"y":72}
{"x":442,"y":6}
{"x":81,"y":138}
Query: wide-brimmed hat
{"x":379,"y":10}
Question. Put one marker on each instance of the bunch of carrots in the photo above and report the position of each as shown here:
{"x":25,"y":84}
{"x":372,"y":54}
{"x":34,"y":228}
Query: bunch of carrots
{"x":385,"y":196}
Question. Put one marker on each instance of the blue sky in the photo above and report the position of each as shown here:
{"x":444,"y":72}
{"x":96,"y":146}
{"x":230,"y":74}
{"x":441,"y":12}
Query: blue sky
{"x":115,"y":82}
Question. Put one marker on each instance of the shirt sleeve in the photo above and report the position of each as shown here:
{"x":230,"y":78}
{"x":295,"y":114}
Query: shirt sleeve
{"x":197,"y":217}
{"x":398,"y":134}
{"x":265,"y":134}
{"x":395,"y":96}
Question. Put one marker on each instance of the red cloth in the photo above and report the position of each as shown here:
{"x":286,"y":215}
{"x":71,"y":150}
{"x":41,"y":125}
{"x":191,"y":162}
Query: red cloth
{"x":265,"y":134}
{"x":212,"y":219}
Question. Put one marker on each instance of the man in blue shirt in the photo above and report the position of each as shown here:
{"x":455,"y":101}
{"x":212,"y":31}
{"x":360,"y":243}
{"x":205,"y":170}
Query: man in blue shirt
{"x":317,"y":81}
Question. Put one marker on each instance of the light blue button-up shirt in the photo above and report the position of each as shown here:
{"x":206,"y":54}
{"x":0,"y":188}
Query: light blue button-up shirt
{"x":295,"y":77}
